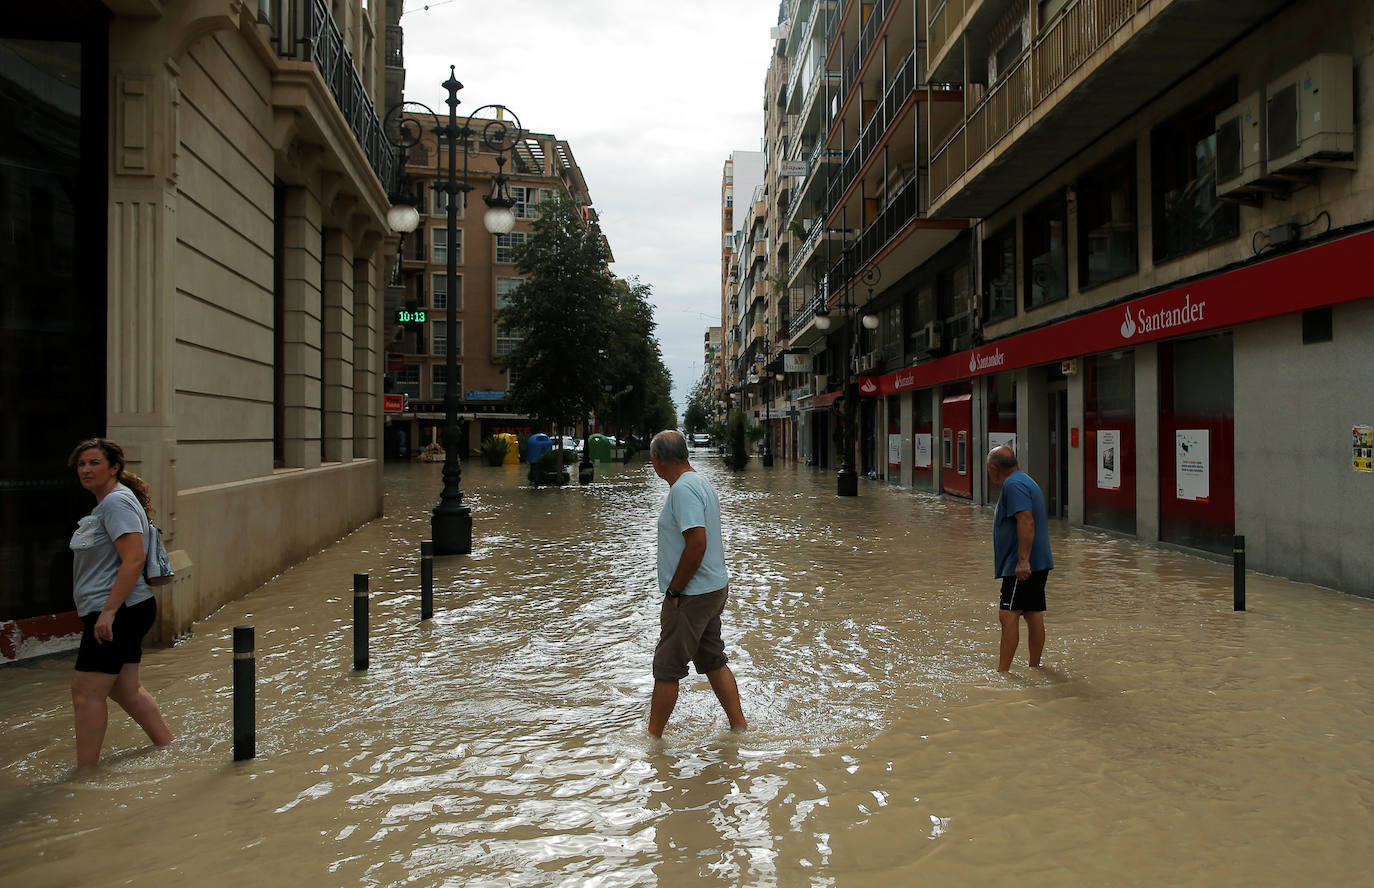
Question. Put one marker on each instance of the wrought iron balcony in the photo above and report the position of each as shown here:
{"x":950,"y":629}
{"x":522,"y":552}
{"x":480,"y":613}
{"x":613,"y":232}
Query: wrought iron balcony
{"x":304,"y":30}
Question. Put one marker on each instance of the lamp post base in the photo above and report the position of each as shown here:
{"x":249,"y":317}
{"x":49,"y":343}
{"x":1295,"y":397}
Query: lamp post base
{"x":451,"y":530}
{"x":767,"y":458}
{"x":847,"y":482}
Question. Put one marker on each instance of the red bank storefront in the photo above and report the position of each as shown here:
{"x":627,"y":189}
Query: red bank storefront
{"x":1192,"y":325}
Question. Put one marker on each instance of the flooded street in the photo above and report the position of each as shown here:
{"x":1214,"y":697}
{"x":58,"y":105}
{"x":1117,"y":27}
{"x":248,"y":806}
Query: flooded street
{"x":1169,"y":740}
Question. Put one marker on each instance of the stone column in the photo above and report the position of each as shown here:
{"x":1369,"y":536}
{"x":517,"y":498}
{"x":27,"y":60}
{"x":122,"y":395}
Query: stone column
{"x":908,"y":423}
{"x":1147,"y":455}
{"x":301,"y":252}
{"x":366,"y":351}
{"x":337,"y":344}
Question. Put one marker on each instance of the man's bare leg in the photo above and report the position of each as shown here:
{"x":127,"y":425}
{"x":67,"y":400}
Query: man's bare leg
{"x":661,"y":705}
{"x":727,"y":692}
{"x":1035,"y":631}
{"x":1011,"y":636}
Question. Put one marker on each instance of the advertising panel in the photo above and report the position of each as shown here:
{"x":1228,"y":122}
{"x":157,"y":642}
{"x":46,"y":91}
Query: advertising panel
{"x":921,"y":454}
{"x":1193,"y":464}
{"x":1108,"y":459}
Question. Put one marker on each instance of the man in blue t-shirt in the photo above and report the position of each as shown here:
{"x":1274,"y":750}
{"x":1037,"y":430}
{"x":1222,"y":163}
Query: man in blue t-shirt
{"x":1021,"y":555}
{"x":693,"y":580}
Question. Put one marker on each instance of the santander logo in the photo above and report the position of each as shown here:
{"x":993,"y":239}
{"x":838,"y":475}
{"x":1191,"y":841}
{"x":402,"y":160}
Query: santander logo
{"x":868,"y":386}
{"x":976,"y":363}
{"x":1143,"y":321}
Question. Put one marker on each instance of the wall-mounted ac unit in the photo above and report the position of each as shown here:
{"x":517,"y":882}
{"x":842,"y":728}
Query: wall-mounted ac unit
{"x":1240,"y":145}
{"x":930,"y":339}
{"x":822,"y":381}
{"x":1310,"y":114}
{"x":867,"y":363}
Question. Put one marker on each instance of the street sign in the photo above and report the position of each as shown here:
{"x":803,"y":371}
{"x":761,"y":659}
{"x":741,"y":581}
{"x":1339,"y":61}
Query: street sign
{"x":393,"y":403}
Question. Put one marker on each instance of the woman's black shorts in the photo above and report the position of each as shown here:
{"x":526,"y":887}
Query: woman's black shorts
{"x":131,"y":623}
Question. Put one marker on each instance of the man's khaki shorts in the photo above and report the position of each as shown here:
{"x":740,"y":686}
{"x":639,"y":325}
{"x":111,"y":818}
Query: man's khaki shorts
{"x":690,"y":633}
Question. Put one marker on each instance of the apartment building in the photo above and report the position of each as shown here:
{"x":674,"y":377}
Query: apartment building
{"x":421,"y":295}
{"x":196,"y":201}
{"x":742,"y":176}
{"x":1122,"y":235}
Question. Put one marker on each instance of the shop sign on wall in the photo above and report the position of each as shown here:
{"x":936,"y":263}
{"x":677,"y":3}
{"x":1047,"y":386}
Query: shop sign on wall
{"x":1108,"y":459}
{"x":921,"y":450}
{"x":894,"y":450}
{"x":1362,"y":444}
{"x":1193,"y":464}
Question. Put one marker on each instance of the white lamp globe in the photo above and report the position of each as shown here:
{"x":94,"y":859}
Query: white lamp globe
{"x":822,"y":322}
{"x":870,"y":322}
{"x":403,"y":218}
{"x":499,"y":220}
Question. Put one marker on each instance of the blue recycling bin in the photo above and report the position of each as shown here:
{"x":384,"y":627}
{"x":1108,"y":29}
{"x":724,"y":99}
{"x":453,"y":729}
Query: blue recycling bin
{"x":537,"y":446}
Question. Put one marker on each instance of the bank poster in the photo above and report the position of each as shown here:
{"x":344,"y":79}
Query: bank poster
{"x":894,"y":450}
{"x":1108,"y":459}
{"x":997,"y":439}
{"x":1362,"y":443}
{"x":1193,"y":464}
{"x":921,"y":450}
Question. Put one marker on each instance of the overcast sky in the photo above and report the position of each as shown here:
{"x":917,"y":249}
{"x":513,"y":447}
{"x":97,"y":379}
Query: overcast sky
{"x":651,"y":95}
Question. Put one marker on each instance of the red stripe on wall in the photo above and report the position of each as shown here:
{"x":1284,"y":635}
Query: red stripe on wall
{"x":1328,"y":274}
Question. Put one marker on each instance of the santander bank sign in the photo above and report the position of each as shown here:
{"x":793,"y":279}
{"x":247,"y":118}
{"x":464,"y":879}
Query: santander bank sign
{"x":1158,"y":320}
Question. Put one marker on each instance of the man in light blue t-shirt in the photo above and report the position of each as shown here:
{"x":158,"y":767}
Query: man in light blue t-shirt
{"x":693,"y":580}
{"x":1021,"y":555}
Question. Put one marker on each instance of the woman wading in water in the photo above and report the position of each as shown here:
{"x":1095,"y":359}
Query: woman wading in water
{"x":113,"y":599}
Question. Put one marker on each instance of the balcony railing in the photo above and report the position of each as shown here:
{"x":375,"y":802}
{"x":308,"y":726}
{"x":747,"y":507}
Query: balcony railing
{"x":871,"y":135}
{"x":904,"y":207}
{"x":304,"y":30}
{"x":944,"y":19}
{"x":1058,"y":51}
{"x":868,"y":35}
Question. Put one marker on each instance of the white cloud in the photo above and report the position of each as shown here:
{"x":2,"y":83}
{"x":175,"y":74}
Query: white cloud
{"x":651,"y":96}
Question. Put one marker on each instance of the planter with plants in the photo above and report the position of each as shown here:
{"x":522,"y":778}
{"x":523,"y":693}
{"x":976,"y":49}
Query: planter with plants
{"x":494,"y":450}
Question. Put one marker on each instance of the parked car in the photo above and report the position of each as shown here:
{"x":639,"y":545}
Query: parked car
{"x":701,"y":440}
{"x":567,"y":442}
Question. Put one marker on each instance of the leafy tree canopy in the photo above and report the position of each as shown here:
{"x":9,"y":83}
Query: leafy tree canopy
{"x":565,"y":311}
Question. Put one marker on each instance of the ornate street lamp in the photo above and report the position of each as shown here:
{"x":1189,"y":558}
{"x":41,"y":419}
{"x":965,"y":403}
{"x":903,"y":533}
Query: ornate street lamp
{"x":847,"y":479}
{"x":451,"y":525}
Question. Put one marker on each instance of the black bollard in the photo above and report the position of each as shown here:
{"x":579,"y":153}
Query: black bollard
{"x":360,"y":621}
{"x":1238,"y":566}
{"x":245,"y":697}
{"x":426,"y":579}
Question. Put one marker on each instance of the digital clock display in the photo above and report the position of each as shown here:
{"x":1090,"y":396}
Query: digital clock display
{"x":410,"y":316}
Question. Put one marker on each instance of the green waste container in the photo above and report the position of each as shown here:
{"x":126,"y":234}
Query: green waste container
{"x":601,"y":448}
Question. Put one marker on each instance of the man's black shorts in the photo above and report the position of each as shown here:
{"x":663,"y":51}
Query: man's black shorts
{"x":1024,"y":595}
{"x":130,"y":625}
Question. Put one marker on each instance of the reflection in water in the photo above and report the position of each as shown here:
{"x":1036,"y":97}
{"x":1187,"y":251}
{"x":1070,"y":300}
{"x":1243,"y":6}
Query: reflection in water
{"x":1168,"y":740}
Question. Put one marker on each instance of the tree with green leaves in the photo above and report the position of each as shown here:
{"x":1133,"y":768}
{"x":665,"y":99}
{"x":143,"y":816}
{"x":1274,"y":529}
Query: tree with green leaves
{"x":639,"y":397}
{"x":564,"y":311}
{"x":698,"y":414}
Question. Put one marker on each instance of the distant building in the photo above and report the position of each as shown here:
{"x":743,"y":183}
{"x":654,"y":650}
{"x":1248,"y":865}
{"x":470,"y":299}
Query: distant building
{"x":540,"y":167}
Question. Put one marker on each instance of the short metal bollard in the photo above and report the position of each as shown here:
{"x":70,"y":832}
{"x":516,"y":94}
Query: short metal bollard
{"x":360,"y":621}
{"x":245,"y":696}
{"x":1238,"y":568}
{"x":426,"y":579}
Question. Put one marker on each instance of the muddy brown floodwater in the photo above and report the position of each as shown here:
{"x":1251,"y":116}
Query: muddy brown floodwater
{"x":1168,"y":741}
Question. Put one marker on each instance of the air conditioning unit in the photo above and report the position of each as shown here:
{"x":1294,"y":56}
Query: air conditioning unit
{"x":1310,"y":115}
{"x":867,"y":363}
{"x":1240,"y":145}
{"x":822,"y":381}
{"x":931,"y":339}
